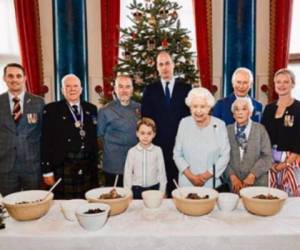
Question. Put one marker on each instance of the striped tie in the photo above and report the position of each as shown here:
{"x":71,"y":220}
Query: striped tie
{"x":16,"y":114}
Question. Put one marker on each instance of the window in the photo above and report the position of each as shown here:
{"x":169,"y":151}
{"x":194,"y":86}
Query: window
{"x":9,"y":48}
{"x":294,"y":58}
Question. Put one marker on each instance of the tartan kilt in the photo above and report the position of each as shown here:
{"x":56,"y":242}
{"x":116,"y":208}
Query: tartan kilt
{"x":78,"y":176}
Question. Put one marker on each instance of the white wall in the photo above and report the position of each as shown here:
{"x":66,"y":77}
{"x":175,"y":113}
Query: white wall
{"x":262,"y":48}
{"x":95,"y":74}
{"x":217,"y":42}
{"x":45,"y":8}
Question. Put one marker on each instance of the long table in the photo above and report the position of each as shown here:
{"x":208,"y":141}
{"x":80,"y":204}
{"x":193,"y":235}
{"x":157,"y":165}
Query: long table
{"x":163,"y":228}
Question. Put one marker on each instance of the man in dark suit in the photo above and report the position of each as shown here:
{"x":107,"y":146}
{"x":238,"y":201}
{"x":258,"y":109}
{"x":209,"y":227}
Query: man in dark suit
{"x":20,"y":134}
{"x":69,"y":142}
{"x":164,"y":102}
{"x":242,"y":80}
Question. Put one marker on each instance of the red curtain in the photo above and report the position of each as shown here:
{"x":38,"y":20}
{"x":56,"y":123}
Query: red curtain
{"x":203,"y":26}
{"x":110,"y":22}
{"x":280,"y":28}
{"x":27,"y":19}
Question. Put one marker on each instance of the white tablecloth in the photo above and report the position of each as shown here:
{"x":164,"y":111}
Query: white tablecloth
{"x":162,"y":228}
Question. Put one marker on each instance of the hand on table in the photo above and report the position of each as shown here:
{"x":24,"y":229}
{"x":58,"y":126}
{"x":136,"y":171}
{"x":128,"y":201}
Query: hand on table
{"x":49,"y":180}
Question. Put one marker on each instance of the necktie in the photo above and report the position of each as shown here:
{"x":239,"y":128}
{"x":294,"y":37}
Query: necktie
{"x":16,"y":110}
{"x":76,"y":111}
{"x":241,"y":136}
{"x":167,"y":94}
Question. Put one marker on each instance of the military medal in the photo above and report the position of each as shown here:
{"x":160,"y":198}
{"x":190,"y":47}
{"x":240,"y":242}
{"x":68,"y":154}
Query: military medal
{"x":32,"y":118}
{"x":82,"y":133}
{"x":288,"y":120}
{"x":77,"y":124}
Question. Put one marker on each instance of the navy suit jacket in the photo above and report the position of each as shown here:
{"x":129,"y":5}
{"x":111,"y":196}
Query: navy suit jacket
{"x":222,"y":109}
{"x":166,"y":118}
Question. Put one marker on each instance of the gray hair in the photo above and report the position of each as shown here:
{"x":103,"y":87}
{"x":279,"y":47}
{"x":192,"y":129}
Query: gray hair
{"x":285,"y":71}
{"x":246,"y":100}
{"x":119,"y":77}
{"x":200,"y":92}
{"x":245,"y":70}
{"x":63,"y":80}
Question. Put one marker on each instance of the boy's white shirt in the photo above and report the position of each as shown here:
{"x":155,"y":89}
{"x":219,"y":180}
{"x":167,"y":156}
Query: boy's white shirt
{"x":145,"y":167}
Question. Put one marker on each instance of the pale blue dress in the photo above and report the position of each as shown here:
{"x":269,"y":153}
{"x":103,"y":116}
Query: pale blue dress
{"x":201,"y":148}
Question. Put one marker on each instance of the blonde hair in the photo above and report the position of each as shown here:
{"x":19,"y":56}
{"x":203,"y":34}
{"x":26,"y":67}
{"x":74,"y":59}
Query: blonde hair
{"x":285,"y":71}
{"x":147,"y":122}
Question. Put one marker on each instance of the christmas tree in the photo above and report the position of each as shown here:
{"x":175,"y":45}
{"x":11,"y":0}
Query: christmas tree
{"x":156,"y":27}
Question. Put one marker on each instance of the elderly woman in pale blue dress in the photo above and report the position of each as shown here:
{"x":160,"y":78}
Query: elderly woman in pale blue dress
{"x":201,"y":142}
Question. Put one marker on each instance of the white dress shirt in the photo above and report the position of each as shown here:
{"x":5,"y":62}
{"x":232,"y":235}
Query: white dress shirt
{"x":145,"y":167}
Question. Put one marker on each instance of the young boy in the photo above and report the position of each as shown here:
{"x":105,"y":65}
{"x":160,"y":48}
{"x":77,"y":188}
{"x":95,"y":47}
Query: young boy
{"x":144,"y":167}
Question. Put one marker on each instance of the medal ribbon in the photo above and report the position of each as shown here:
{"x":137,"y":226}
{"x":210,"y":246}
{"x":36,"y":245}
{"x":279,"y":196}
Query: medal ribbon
{"x":74,"y":116}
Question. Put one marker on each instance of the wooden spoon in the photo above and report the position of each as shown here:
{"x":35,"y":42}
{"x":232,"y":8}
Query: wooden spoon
{"x":51,"y":189}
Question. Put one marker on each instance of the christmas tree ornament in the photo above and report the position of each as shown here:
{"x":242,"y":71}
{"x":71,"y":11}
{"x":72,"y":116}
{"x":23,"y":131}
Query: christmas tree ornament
{"x":163,"y":13}
{"x":182,"y":59}
{"x":190,"y":61}
{"x":189,"y":44}
{"x":144,"y":55}
{"x":185,"y":40}
{"x":133,"y":35}
{"x":127,"y":55}
{"x":174,"y":15}
{"x":150,"y":62}
{"x":138,"y":79}
{"x":165,"y":43}
{"x":178,"y":47}
{"x":151,"y":44}
{"x":152,"y":21}
{"x":138,"y":16}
